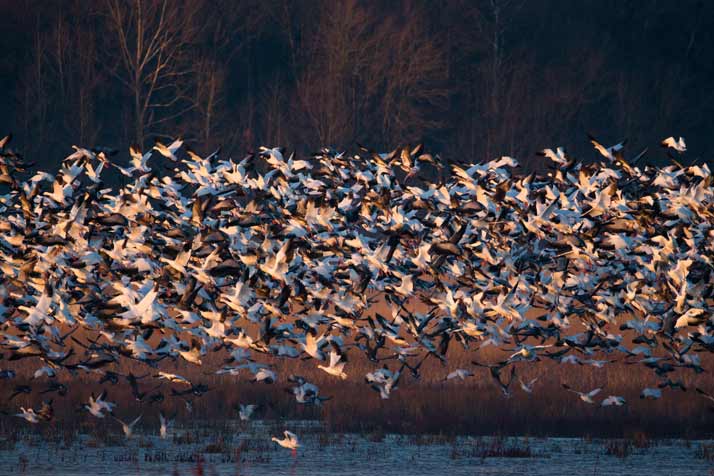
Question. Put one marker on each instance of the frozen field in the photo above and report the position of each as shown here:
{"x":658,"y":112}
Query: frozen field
{"x":250,"y":452}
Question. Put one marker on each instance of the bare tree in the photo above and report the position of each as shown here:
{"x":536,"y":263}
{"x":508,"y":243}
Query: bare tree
{"x":223,"y":29}
{"x":152,"y":39}
{"x":207,"y":97}
{"x":61,"y":88}
{"x":356,"y":66}
{"x":72,"y":60}
{"x":476,"y":79}
{"x":274,"y":112}
{"x":34,"y":96}
{"x":413,"y":65}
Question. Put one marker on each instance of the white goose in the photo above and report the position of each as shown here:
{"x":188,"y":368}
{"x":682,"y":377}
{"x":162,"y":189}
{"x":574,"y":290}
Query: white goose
{"x":128,"y":428}
{"x":677,"y":144}
{"x":586,"y":397}
{"x":170,"y":150}
{"x":336,"y":367}
{"x":246,"y":411}
{"x":28,"y":414}
{"x":527,"y":387}
{"x":651,"y":393}
{"x":290,"y":441}
{"x":613,"y":400}
{"x":98,"y":406}
{"x":461,"y":374}
{"x":165,"y":425}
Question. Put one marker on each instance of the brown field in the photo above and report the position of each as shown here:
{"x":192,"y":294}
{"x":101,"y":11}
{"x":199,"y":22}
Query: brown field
{"x":426,"y":406}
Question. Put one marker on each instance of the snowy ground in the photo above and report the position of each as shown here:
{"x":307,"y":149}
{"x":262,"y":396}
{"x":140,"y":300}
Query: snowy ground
{"x":250,"y":452}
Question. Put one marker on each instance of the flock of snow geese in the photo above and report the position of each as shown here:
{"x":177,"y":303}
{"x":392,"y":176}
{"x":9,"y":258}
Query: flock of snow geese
{"x":334,"y":255}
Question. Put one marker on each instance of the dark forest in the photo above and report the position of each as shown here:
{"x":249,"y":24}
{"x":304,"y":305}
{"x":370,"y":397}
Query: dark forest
{"x":472,"y":80}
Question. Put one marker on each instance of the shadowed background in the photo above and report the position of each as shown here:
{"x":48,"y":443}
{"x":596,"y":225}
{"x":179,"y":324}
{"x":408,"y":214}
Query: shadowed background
{"x":472,"y":80}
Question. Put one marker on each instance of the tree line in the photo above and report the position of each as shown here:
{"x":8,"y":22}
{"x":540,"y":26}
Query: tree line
{"x":470,"y":79}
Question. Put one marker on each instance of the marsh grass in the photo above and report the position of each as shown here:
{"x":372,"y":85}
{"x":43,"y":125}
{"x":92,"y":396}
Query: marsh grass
{"x":427,"y":405}
{"x":619,"y":448}
{"x":640,"y":440}
{"x":705,"y":451}
{"x":495,"y":447}
{"x":219,"y":445}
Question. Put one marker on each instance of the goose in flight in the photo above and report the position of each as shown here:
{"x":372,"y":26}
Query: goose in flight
{"x":336,"y":366}
{"x":673,"y":384}
{"x":5,"y":141}
{"x":586,"y":397}
{"x":165,"y":424}
{"x":461,"y":374}
{"x":29,"y":415}
{"x":384,"y":381}
{"x":139,"y":163}
{"x":558,"y":156}
{"x":527,"y":387}
{"x":98,"y":406}
{"x":7,"y":374}
{"x":613,"y":153}
{"x":651,"y":393}
{"x":170,"y":150}
{"x":246,"y":411}
{"x":128,"y":428}
{"x":173,"y":378}
{"x":526,"y":353}
{"x":706,"y":395}
{"x":495,"y":371}
{"x":46,"y":411}
{"x":284,"y":258}
{"x":305,"y":392}
{"x":411,"y":160}
{"x":290,"y":441}
{"x":265,"y":376}
{"x":613,"y":400}
{"x":676,"y":144}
